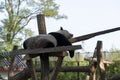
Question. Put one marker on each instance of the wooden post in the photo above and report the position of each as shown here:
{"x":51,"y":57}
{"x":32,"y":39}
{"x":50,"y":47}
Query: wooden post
{"x":41,"y":24}
{"x":44,"y":58}
{"x":93,"y":70}
{"x":100,"y":61}
{"x":94,"y":65}
{"x":56,"y":69}
{"x":32,"y":69}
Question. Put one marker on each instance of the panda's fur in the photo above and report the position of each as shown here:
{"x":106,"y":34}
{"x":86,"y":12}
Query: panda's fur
{"x":53,"y":39}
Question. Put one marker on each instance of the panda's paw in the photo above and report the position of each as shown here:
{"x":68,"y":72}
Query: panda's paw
{"x":71,"y":54}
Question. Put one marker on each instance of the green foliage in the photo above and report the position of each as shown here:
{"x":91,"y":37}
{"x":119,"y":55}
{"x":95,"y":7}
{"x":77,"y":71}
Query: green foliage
{"x":17,"y":14}
{"x":67,"y":62}
{"x":72,"y":75}
{"x":114,"y":55}
{"x":50,"y":9}
{"x":113,"y":69}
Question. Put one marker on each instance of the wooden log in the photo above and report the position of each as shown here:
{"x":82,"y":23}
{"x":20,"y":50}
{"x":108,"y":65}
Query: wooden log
{"x":41,"y":24}
{"x":27,"y":74}
{"x":95,"y":60}
{"x":43,"y":58}
{"x":93,"y":65}
{"x":31,"y":67}
{"x":75,"y":69}
{"x":91,"y":35}
{"x":100,"y":63}
{"x":45,"y":50}
{"x":70,"y":69}
{"x":56,"y":69}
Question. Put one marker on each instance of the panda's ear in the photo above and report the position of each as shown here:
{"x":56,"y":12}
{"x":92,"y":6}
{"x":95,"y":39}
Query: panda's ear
{"x":61,"y":28}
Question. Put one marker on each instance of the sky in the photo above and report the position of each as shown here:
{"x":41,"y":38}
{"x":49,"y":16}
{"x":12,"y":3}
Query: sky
{"x":87,"y":16}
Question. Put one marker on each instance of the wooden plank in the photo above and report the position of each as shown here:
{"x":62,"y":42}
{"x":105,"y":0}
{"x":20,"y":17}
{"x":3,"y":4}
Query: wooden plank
{"x":45,"y":50}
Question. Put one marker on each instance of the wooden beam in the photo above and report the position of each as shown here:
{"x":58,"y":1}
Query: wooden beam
{"x":26,"y":73}
{"x":100,"y":63}
{"x":91,"y":35}
{"x":45,"y":50}
{"x":56,"y":69}
{"x":70,"y":69}
{"x":95,"y":60}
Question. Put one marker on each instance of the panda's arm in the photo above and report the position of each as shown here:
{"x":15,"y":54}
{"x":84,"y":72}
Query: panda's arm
{"x":66,"y":43}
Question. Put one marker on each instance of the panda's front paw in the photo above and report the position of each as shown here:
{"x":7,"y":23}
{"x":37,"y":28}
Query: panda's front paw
{"x":71,"y":53}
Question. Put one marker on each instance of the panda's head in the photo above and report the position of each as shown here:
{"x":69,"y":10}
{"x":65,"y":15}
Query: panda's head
{"x":67,"y":34}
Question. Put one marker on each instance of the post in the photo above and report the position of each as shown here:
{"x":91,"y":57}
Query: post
{"x":101,"y":66}
{"x":56,"y":69}
{"x":41,"y":24}
{"x":44,"y":58}
{"x":78,"y":64}
{"x":32,"y":69}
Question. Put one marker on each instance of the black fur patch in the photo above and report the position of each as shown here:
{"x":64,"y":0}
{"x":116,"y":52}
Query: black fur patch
{"x":62,"y":41}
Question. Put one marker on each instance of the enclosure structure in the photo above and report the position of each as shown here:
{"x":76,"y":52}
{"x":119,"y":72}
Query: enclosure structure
{"x":47,"y":73}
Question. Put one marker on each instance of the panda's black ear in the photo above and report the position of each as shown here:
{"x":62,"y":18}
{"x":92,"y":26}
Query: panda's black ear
{"x":61,"y":28}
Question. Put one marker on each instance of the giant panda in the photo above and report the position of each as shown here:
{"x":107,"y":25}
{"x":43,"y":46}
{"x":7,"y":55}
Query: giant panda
{"x":52,"y":39}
